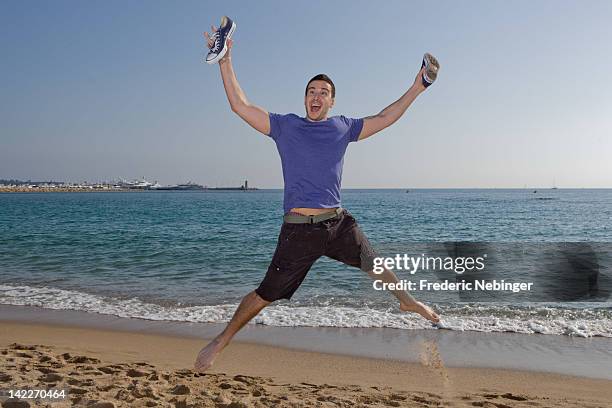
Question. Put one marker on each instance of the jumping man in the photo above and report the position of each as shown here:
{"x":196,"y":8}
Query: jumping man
{"x":312,"y":154}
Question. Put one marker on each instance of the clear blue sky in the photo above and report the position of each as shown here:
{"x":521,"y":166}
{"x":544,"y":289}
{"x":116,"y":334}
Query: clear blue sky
{"x":106,"y":89}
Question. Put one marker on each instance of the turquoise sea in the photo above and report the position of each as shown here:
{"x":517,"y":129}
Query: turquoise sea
{"x":191,"y":256}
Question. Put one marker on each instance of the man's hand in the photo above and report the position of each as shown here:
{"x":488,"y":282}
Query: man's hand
{"x":418,"y":81}
{"x":255,"y":116}
{"x":210,"y":42}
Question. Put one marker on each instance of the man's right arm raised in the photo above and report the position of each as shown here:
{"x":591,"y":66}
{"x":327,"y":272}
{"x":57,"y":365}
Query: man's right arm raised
{"x":255,"y":116}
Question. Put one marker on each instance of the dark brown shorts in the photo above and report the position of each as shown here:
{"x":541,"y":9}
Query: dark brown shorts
{"x":300,"y":245}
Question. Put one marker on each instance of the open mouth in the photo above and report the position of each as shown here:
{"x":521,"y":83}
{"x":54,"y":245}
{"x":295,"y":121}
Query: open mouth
{"x":315,"y":108}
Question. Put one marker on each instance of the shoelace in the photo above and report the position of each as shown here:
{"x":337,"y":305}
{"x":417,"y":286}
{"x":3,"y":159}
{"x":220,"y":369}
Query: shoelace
{"x":217,"y":38}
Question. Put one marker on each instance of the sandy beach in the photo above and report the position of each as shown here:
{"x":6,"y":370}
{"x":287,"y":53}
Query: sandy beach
{"x":104,"y":368}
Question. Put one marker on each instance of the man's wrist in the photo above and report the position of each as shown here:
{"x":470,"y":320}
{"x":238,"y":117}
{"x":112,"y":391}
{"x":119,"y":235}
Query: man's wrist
{"x":418,"y":88}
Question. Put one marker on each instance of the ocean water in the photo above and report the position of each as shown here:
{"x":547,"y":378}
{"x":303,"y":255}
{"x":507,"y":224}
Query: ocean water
{"x":191,"y":256}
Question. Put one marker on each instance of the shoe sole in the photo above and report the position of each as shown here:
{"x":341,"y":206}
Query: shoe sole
{"x":224,"y":50}
{"x":432,"y":66}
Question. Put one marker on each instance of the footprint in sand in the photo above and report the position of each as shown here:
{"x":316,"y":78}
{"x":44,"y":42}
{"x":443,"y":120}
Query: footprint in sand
{"x":135,"y":373}
{"x":183,"y":373}
{"x":139,"y":392}
{"x":180,"y":389}
{"x":17,"y":346}
{"x":105,"y":388}
{"x":77,"y":391}
{"x":489,"y":404}
{"x":100,"y":404}
{"x":515,"y":397}
{"x":15,"y":404}
{"x":108,"y":370}
{"x":83,"y":360}
{"x":44,"y":358}
{"x":88,"y":382}
{"x":46,"y":370}
{"x":51,"y":378}
{"x":124,"y":395}
{"x":57,"y":364}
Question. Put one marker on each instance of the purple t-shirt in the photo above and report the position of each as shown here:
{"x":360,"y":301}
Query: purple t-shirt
{"x":312,"y":155}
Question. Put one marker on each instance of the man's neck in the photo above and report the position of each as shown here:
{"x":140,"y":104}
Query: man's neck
{"x":313,"y":120}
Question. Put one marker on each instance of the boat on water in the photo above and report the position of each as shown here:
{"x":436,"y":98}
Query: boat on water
{"x":180,"y":187}
{"x":136,"y":184}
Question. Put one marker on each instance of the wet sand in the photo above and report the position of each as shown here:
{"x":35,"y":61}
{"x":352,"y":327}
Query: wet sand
{"x":573,"y":356}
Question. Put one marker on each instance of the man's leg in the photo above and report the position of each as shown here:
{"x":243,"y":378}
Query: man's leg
{"x":298,"y":247}
{"x":407,"y":302}
{"x":250,"y":306}
{"x":389,"y":276}
{"x":351,"y":247}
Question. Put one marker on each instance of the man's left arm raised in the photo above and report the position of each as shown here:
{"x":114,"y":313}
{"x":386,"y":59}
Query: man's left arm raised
{"x":389,"y":115}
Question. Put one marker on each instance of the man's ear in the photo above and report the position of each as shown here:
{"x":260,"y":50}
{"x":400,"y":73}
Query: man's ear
{"x":332,"y":103}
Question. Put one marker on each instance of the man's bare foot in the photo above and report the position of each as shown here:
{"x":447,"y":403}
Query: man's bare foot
{"x":207,"y":355}
{"x":421,"y":309}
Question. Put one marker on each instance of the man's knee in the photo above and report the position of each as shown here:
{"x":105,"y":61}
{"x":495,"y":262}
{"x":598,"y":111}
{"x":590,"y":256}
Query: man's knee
{"x":262,"y":297}
{"x":268,"y":295}
{"x":367,"y":254}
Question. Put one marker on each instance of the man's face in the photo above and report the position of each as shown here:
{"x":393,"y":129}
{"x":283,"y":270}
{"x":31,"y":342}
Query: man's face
{"x":318,"y":100}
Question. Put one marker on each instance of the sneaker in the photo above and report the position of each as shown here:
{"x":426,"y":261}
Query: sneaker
{"x":432,"y":66}
{"x":220,"y":38}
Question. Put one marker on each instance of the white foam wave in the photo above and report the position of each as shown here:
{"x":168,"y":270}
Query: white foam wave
{"x":542,"y":320}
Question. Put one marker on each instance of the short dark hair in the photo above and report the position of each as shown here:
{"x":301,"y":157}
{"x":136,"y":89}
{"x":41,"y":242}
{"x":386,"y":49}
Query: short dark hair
{"x":322,"y":77}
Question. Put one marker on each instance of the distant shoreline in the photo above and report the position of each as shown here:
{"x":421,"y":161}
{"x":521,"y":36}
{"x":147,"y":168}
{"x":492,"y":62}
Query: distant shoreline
{"x":59,"y":190}
{"x":107,"y":190}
